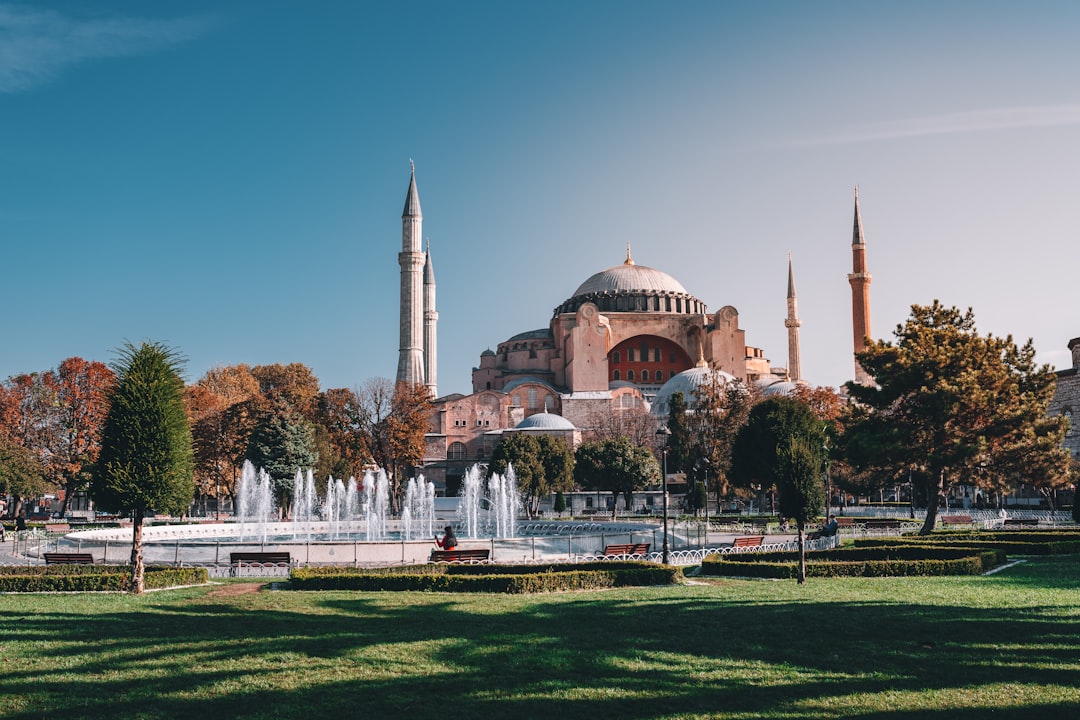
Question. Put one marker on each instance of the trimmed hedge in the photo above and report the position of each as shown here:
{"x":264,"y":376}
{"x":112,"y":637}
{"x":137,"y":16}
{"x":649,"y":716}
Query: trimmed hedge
{"x":1037,"y":542}
{"x":94,"y":578}
{"x":512,"y":579}
{"x":880,"y":561}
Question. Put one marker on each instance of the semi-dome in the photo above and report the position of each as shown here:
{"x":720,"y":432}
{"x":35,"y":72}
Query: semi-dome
{"x":687,"y":382}
{"x":545,"y":421}
{"x":633,"y":288}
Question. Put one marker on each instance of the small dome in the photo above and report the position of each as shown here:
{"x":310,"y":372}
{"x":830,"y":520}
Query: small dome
{"x":545,"y":421}
{"x":487,"y":353}
{"x":687,"y":382}
{"x":772,"y":387}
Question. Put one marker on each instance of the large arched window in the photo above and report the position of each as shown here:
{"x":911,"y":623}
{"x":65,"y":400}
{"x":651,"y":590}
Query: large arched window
{"x":617,"y":376}
{"x":630,"y":375}
{"x":644,"y":376}
{"x":457,"y":451}
{"x":534,"y":401}
{"x":615,"y":359}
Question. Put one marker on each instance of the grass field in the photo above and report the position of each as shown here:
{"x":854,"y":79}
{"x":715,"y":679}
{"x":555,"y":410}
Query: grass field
{"x":1005,"y":645}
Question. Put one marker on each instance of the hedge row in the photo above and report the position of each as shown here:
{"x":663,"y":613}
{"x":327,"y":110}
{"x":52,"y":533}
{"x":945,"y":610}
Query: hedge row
{"x":882,"y":559}
{"x":1027,"y":543}
{"x":94,"y":578}
{"x":971,"y":565}
{"x":511,"y":579}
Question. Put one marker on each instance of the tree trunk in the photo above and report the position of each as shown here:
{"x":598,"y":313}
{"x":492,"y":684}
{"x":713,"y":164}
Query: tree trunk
{"x":802,"y":552}
{"x":137,"y":586}
{"x":933,"y":497}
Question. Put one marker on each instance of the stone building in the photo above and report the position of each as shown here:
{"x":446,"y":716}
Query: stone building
{"x":609,"y":347}
{"x":1067,"y":399}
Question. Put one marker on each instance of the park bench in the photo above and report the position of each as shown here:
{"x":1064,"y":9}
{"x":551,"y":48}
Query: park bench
{"x":260,"y":559}
{"x":955,"y":519}
{"x":845,"y":522}
{"x":626,"y":549}
{"x":460,"y":556}
{"x":1021,"y":522}
{"x":68,"y":558}
{"x":748,"y":541}
{"x":62,"y":527}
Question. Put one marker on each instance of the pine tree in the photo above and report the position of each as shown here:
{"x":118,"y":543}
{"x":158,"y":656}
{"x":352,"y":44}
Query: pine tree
{"x":953,"y":406}
{"x":146,"y":461}
{"x":282,"y":443}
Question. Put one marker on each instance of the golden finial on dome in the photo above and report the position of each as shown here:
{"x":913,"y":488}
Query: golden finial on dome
{"x":701,"y":356}
{"x":629,"y":260}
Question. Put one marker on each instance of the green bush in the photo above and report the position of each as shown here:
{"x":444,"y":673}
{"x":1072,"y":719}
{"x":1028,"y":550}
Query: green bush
{"x":93,"y":578}
{"x":486,"y":578}
{"x":878,"y":560}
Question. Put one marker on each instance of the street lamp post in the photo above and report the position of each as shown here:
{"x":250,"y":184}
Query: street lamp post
{"x":663,"y":434}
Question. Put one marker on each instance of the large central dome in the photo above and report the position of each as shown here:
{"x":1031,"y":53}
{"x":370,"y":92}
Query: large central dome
{"x":630,"y":277}
{"x":633,"y":288}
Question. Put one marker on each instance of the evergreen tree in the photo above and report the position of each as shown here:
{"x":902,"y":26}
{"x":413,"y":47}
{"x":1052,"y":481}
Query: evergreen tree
{"x":679,"y":442}
{"x":146,"y":461}
{"x":953,"y":406}
{"x":282,"y":443}
{"x":800,"y":472}
{"x":560,"y":502}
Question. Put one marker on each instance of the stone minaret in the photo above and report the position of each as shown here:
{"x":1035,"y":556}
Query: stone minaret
{"x":411,"y":259}
{"x":792,"y":324}
{"x":860,"y":292}
{"x":431,"y":320}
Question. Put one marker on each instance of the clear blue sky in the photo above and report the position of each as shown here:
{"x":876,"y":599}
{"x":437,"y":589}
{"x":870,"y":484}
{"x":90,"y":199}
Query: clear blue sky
{"x":228,"y":177}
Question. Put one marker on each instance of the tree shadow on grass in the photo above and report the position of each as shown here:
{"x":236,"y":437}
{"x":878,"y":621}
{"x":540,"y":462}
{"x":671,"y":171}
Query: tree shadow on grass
{"x":670,"y":652}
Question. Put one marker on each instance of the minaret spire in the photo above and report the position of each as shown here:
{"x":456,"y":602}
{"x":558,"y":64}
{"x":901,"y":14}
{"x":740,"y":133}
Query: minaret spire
{"x":859,"y":278}
{"x":792,"y":324}
{"x":411,"y":260}
{"x":431,"y":321}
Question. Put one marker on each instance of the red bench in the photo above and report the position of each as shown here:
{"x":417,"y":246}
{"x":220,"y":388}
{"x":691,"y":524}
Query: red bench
{"x":955,"y":519}
{"x":748,"y":541}
{"x":627,"y":549}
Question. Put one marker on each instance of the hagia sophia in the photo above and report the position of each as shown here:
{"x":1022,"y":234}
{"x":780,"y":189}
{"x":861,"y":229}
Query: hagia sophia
{"x":627,"y":337}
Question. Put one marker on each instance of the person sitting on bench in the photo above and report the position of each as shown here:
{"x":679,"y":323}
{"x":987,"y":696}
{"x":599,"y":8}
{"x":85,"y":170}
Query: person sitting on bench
{"x":827,"y":530}
{"x":449,"y":540}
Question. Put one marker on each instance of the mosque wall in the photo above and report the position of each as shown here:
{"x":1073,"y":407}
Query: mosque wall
{"x":1067,"y":399}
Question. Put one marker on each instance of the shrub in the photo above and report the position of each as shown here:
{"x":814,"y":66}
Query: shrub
{"x":93,"y":578}
{"x":486,"y":578}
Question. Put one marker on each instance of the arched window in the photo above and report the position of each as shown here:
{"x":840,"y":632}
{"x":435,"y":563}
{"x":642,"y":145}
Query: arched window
{"x":457,"y":451}
{"x":615,"y":359}
{"x":644,"y":376}
{"x":533,"y":400}
{"x":630,"y":375}
{"x":617,"y":375}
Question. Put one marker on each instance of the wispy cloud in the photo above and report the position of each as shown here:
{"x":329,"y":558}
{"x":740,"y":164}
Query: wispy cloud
{"x":36,"y":46}
{"x":1035,"y":116}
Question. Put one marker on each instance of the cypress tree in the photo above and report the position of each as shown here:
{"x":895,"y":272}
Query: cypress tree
{"x":146,"y":462}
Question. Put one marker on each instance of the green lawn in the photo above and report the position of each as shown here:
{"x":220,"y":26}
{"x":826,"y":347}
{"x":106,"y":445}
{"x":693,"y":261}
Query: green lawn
{"x":1004,"y":645}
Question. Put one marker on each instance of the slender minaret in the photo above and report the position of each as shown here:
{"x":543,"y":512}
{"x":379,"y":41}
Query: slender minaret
{"x":411,"y":259}
{"x":792,"y":324}
{"x":860,"y":293}
{"x":431,"y":320}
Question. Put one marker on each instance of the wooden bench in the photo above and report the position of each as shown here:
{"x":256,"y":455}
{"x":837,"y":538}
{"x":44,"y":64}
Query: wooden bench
{"x":260,"y":559}
{"x":955,"y":519}
{"x":460,"y":556}
{"x":845,"y":522}
{"x":57,"y":527}
{"x":1021,"y":522}
{"x":748,"y":541}
{"x":626,"y":549}
{"x":68,"y":558}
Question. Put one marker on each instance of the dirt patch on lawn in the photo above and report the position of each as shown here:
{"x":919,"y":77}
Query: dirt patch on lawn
{"x":234,"y":589}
